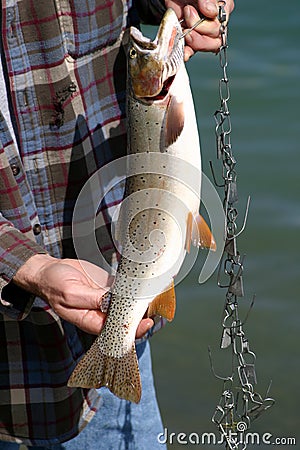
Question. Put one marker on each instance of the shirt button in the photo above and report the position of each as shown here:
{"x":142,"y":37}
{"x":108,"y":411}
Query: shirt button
{"x":15,"y":169}
{"x":37,"y":229}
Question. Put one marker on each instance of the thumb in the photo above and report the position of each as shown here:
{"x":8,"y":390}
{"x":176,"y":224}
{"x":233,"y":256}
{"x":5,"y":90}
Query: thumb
{"x":82,"y":296}
{"x":208,"y":8}
{"x":95,"y":296}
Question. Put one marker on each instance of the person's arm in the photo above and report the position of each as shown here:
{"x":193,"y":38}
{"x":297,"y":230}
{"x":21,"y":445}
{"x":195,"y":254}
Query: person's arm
{"x":73,"y":289}
{"x":16,"y":248}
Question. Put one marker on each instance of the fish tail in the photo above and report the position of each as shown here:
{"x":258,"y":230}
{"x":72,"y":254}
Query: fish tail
{"x":119,"y":374}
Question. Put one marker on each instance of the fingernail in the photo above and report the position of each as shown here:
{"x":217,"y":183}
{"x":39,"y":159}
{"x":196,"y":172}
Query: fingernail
{"x":211,"y":7}
{"x":149,"y":324}
{"x":189,"y":39}
{"x":187,"y":12}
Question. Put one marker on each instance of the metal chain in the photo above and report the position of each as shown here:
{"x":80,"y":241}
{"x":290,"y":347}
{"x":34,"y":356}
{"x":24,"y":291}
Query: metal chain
{"x":239,"y":403}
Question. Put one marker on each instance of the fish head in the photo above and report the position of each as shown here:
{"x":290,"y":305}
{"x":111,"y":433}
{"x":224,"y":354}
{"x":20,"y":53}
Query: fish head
{"x":152,"y":65}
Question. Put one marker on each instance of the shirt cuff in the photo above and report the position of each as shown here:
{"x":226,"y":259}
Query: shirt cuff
{"x":15,"y":302}
{"x":15,"y":250}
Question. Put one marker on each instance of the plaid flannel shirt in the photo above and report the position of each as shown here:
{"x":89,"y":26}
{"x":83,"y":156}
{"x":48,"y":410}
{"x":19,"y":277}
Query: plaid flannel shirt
{"x":66,"y":71}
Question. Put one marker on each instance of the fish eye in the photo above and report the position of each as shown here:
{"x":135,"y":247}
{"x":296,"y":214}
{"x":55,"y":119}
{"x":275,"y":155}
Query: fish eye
{"x":132,"y":53}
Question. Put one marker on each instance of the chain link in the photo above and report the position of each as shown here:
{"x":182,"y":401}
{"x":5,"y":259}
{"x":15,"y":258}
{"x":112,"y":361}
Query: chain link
{"x":239,"y":403}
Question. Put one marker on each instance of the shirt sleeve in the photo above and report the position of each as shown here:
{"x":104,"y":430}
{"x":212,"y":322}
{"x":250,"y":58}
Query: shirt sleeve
{"x":150,"y":11}
{"x":15,"y":249}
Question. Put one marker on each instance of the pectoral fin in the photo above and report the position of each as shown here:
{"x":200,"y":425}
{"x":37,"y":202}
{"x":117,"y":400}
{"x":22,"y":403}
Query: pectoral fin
{"x":174,"y":121}
{"x":198,"y":233}
{"x":164,"y":304}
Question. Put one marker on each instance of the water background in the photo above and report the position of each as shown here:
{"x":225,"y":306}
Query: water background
{"x":264,"y":70}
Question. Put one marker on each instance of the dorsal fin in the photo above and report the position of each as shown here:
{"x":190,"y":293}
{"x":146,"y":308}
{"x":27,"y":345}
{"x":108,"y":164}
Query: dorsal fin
{"x":164,"y":304}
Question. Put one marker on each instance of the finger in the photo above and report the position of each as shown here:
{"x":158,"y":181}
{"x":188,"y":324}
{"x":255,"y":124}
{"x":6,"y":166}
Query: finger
{"x":188,"y":53}
{"x":207,"y":27}
{"x":176,"y":7}
{"x":229,"y":7}
{"x":203,"y":43}
{"x":89,"y":321}
{"x":144,"y":326}
{"x":208,"y":8}
{"x":92,"y":322}
{"x":79,"y":296}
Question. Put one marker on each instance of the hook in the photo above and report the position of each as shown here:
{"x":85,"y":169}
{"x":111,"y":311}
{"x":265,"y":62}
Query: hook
{"x":202,"y":19}
{"x":244,"y":222}
{"x":248,"y":312}
{"x":222,"y":13}
{"x":214,"y":176}
{"x":268,"y":390}
{"x":229,"y":378}
{"x":260,"y":404}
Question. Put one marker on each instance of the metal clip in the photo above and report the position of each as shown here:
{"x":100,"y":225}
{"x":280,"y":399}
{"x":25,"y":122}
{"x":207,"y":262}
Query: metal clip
{"x":232,"y":192}
{"x":250,"y":373}
{"x":222,"y":13}
{"x":230,"y":247}
{"x":237,"y":287}
{"x":226,"y":338}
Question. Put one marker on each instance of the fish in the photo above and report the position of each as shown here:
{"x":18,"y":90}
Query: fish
{"x":159,"y":216}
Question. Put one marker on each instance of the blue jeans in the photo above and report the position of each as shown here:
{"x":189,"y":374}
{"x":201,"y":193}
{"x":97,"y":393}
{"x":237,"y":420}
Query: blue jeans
{"x":119,"y":425}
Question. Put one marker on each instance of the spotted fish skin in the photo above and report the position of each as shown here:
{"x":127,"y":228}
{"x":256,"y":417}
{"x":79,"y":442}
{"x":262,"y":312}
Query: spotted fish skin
{"x":153,"y":222}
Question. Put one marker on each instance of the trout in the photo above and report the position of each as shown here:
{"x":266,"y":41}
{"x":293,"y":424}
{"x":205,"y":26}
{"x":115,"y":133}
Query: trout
{"x":159,"y":216}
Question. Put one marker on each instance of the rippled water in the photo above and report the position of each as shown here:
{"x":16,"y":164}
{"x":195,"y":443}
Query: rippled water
{"x":265,"y":96}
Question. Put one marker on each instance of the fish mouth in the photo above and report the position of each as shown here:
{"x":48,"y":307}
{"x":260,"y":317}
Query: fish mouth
{"x":142,"y":42}
{"x":153,"y":64}
{"x":163,"y":92}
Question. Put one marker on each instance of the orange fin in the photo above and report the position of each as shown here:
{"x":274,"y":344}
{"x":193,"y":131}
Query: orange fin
{"x":198,"y":233}
{"x":174,"y":121}
{"x":119,"y":374}
{"x":164,"y":304}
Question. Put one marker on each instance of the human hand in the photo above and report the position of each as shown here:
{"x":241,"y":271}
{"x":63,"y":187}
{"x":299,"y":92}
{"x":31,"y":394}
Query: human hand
{"x":206,"y":36}
{"x":72,"y":288}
